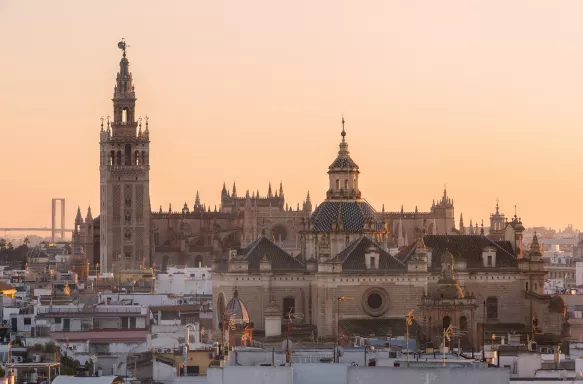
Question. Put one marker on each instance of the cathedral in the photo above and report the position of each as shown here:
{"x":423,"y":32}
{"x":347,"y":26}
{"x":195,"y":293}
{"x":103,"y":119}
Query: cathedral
{"x":338,"y":266}
{"x":128,"y":234}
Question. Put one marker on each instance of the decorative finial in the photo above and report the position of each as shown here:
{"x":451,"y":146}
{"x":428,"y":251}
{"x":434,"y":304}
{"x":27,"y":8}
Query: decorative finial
{"x":122,"y":45}
{"x":108,"y":121}
{"x":140,"y":126}
{"x":147,"y":118}
{"x":101,"y":123}
{"x":343,"y":131}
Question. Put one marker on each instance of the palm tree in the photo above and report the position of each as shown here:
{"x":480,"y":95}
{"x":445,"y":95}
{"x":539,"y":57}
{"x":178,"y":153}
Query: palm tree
{"x":26,"y":241}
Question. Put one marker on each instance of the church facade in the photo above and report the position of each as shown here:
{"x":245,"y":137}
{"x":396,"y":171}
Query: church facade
{"x":348,"y":279}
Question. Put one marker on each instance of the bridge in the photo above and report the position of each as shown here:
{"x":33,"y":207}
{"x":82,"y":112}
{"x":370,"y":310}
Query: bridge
{"x":53,"y":227}
{"x":43,"y":229}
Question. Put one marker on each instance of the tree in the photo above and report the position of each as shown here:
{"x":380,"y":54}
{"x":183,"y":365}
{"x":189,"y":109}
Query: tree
{"x":10,"y":246}
{"x":26,"y":241}
{"x":2,"y":244}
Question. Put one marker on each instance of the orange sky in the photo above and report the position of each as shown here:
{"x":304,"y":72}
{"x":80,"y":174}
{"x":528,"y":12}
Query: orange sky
{"x":482,"y":95}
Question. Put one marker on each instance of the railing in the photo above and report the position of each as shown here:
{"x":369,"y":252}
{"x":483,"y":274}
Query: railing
{"x":96,"y":309}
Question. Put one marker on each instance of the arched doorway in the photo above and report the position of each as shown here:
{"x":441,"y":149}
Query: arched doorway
{"x":198,"y":261}
{"x":446,"y":322}
{"x":289,"y":304}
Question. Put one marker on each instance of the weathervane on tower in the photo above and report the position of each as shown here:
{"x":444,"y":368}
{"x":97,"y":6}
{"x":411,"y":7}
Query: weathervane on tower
{"x":122,"y":45}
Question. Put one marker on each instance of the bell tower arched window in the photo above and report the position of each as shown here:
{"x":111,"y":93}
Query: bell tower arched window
{"x":124,"y":115}
{"x":128,"y":154}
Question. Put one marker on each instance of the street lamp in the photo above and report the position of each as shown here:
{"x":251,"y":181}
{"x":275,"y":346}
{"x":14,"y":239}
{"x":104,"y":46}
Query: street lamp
{"x":337,"y":343}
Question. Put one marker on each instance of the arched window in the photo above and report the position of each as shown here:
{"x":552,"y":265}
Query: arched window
{"x":111,"y":158}
{"x":220,"y":309}
{"x":127,"y":236}
{"x":118,"y":157}
{"x":144,"y":160}
{"x":164,"y":265}
{"x":124,"y":115}
{"x":346,"y":184}
{"x":463,"y":324}
{"x":198,"y":261}
{"x":128,"y":154}
{"x":337,"y":184}
{"x":137,"y":159}
{"x":492,"y":308}
{"x":446,"y":322}
{"x":289,"y":304}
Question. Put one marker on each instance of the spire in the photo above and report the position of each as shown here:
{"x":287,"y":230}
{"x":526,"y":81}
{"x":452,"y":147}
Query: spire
{"x":401,"y":238}
{"x":269,"y":194}
{"x":224,"y":190}
{"x":234,"y":194}
{"x":140,"y":126}
{"x":535,"y":248}
{"x":383,"y":208}
{"x":462,"y":228}
{"x":89,"y":217}
{"x":280,"y":189}
{"x":343,"y":145}
{"x":78,"y":218}
{"x":169,"y":207}
{"x":102,"y":125}
{"x":197,"y":200}
{"x":497,"y":207}
{"x":482,"y":228}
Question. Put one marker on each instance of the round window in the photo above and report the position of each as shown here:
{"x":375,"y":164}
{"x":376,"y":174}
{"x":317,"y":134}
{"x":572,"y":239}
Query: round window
{"x":374,"y":300}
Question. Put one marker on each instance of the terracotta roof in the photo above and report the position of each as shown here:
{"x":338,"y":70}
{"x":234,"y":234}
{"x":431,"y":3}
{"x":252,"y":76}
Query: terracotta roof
{"x":351,"y":214}
{"x":353,"y":257}
{"x":263,"y":247}
{"x":377,"y":327}
{"x":465,"y":247}
{"x":5,"y":287}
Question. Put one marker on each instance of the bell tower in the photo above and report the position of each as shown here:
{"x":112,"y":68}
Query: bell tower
{"x":124,"y":180}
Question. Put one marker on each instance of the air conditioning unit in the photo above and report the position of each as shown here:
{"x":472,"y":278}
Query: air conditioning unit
{"x":544,"y":350}
{"x":160,"y":350}
{"x":36,"y":358}
{"x":17,"y":359}
{"x":169,"y":350}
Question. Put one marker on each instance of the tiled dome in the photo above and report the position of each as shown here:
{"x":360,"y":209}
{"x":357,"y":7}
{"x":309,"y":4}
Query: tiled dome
{"x":237,"y":311}
{"x":349,"y":216}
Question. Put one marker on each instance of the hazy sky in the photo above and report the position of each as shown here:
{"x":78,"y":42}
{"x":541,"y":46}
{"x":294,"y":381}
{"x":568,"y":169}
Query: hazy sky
{"x":485,"y":96}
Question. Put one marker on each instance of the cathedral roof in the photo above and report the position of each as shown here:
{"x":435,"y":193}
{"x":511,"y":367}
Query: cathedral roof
{"x":353,"y":257}
{"x":343,"y":162}
{"x":349,"y":216}
{"x":265,"y":248}
{"x":465,"y":247}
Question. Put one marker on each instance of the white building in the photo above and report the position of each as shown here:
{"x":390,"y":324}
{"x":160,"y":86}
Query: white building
{"x":185,"y":281}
